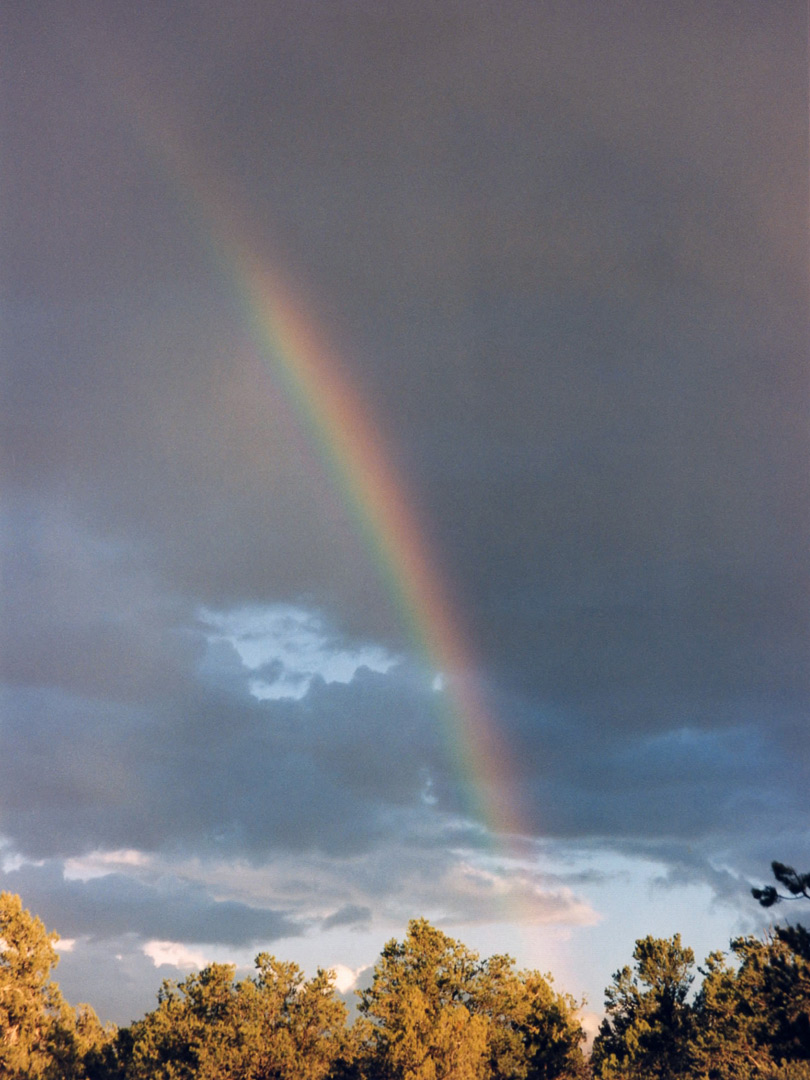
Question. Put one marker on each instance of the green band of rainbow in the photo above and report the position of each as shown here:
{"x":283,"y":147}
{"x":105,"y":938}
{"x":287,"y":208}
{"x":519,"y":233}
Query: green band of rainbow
{"x":329,"y":405}
{"x":350,"y":443}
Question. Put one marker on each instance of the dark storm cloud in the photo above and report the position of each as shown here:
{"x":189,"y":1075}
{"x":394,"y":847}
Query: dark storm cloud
{"x":717,"y":781}
{"x":215,"y":771}
{"x":562,"y":251}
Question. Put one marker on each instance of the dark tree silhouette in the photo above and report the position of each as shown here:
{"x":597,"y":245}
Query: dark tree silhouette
{"x":798,"y":885}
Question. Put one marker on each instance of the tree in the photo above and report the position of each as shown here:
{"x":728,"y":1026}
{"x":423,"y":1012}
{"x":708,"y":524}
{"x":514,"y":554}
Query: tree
{"x":274,"y":1026}
{"x":648,"y":1023}
{"x":774,"y":990}
{"x":291,"y":1028}
{"x":421,"y":1028}
{"x":83,"y":1048}
{"x":29,"y":1001}
{"x":797,"y":885}
{"x":190,"y":1035}
{"x":41,"y":1036}
{"x":725,"y":1043}
{"x":534,"y":1031}
{"x":436,"y":1012}
{"x":753,"y":1020}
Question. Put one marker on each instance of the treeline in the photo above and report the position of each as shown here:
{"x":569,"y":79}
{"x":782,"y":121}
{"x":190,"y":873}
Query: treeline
{"x":434,"y":1011}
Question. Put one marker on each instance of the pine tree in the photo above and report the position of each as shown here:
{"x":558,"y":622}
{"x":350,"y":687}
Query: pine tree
{"x":435,"y":1011}
{"x":648,"y":1024}
{"x":41,"y":1036}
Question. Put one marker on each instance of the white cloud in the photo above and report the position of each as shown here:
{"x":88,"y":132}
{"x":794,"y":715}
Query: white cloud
{"x":289,"y":646}
{"x":99,"y":863}
{"x":174,"y":954}
{"x":346,"y":977}
{"x":478,"y":890}
{"x":590,"y":1025}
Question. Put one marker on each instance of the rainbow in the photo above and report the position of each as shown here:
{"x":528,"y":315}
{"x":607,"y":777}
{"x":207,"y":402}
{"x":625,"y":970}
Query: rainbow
{"x":352,"y":449}
{"x":351,"y":445}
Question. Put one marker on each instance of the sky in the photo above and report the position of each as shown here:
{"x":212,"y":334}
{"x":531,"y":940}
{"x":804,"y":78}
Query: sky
{"x":404,"y":466}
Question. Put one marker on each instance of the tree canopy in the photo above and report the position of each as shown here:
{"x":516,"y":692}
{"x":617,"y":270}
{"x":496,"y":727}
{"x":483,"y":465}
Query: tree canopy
{"x":438,"y":1012}
{"x":750,"y":1019}
{"x":797,"y":885}
{"x":648,"y":1024}
{"x":276,"y":1025}
{"x":41,"y":1037}
{"x":434,"y":1011}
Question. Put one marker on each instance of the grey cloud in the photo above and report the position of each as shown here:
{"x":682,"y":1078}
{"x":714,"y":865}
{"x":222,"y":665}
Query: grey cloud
{"x":562,"y":252}
{"x":578,"y":357}
{"x":169,"y":909}
{"x":113,"y":975}
{"x":689,"y":784}
{"x":216,"y":771}
{"x":352,"y":915}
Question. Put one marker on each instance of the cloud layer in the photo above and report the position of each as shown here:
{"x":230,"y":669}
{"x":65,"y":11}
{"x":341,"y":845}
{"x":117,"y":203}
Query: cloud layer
{"x":562,"y":256}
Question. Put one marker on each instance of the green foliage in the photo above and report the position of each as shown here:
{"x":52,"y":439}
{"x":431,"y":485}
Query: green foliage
{"x":648,"y":1024}
{"x":725,"y":1044}
{"x":754,"y":1019}
{"x":41,"y":1037}
{"x":29,"y":1001}
{"x":274,"y":1026}
{"x":421,"y":1028}
{"x":436,"y":1012}
{"x":797,"y":885}
{"x":534,"y":1031}
{"x":749,"y":1021}
{"x":295,"y":1028}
